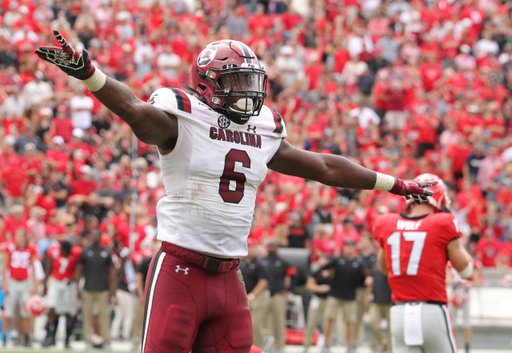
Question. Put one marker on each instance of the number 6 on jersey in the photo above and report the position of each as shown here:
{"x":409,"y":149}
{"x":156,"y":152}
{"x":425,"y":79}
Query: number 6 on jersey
{"x":229,"y":174}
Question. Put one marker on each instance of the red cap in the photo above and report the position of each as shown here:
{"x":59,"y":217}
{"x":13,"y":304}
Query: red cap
{"x":251,"y":242}
{"x":53,"y":212}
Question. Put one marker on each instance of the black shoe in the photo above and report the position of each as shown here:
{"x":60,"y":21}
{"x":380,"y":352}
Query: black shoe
{"x":48,"y":342}
{"x":67,"y":346}
{"x":4,"y":343}
{"x":97,"y":346}
{"x":27,"y":344}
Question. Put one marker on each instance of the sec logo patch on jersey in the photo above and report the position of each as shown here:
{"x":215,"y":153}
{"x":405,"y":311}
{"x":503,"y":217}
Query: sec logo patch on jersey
{"x":223,"y":122}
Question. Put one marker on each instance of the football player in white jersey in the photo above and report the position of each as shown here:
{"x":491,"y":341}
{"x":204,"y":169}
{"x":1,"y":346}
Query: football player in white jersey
{"x":216,"y":141}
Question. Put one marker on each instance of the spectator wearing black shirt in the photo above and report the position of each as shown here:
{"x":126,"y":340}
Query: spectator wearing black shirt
{"x":91,"y":223}
{"x":59,"y":190}
{"x":348,"y":274}
{"x":106,"y":189}
{"x":279,"y":281}
{"x":377,"y":62}
{"x":101,"y":121}
{"x":368,"y":258}
{"x":365,"y":84}
{"x":97,"y":206}
{"x":319,"y":283}
{"x":379,"y":309}
{"x":256,"y":283}
{"x":297,"y":233}
{"x":474,"y":161}
{"x":96,"y":265}
{"x":8,"y":55}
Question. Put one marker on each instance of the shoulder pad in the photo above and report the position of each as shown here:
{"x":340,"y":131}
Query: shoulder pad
{"x":267,"y":123}
{"x":171,"y":100}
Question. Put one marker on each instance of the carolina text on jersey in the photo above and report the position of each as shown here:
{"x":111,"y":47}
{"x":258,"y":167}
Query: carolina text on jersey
{"x":242,"y":138}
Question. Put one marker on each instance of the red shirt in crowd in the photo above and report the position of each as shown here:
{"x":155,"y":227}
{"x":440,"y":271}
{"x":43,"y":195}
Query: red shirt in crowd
{"x":81,"y":187}
{"x":123,"y":234}
{"x":19,"y":260}
{"x":428,"y":128}
{"x":430,"y":74}
{"x":459,"y":155}
{"x":13,"y":178}
{"x":488,"y":251}
{"x":506,"y":253}
{"x":63,"y":267}
{"x":257,"y":21}
{"x":396,"y":98}
{"x":340,"y":235}
{"x":46,"y":202}
{"x":30,"y":164}
{"x":64,"y":128}
{"x":379,"y":93}
{"x":320,"y":246}
{"x":61,"y":157}
{"x":12,"y":224}
{"x":290,"y":21}
{"x":468,"y":122}
{"x":57,"y":231}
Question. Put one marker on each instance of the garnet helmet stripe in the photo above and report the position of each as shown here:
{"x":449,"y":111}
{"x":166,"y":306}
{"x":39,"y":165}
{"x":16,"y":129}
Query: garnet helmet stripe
{"x":247,"y":52}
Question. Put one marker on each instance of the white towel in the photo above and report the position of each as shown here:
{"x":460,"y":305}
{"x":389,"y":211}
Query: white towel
{"x":413,"y":330}
{"x":315,"y":303}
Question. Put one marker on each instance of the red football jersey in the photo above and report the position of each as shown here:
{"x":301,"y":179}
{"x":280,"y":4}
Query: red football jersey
{"x":19,"y":259}
{"x":63,"y":267}
{"x":416,"y":254}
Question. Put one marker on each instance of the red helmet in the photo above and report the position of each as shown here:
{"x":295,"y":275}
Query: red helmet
{"x":459,"y":298}
{"x":229,"y":77}
{"x":440,"y":200}
{"x":35,"y":305}
{"x":506,"y":281}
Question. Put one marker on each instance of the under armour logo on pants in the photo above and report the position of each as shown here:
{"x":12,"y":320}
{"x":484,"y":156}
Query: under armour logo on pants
{"x":178,"y":269}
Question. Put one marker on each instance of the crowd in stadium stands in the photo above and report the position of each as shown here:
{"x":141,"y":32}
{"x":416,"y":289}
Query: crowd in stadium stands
{"x":401,"y":87}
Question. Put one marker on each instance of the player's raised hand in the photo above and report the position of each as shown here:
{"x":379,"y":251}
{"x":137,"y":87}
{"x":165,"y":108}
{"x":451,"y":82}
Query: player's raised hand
{"x":415,"y":189}
{"x":67,"y":59}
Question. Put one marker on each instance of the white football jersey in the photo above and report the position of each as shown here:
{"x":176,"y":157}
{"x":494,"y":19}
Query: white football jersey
{"x":212,"y":175}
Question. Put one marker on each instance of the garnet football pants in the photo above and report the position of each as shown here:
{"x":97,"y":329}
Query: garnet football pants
{"x":194,"y":302}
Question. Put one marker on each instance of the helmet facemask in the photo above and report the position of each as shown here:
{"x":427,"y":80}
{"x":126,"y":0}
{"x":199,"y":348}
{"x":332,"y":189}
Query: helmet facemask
{"x":240,"y":93}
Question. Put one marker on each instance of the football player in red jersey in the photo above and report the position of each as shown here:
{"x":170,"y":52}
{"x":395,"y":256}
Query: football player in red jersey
{"x":416,"y":247}
{"x":18,"y":264}
{"x":216,"y":141}
{"x":62,"y":290}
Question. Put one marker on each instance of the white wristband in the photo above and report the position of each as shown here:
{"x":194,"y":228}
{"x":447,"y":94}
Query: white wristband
{"x":468,"y":271}
{"x":96,"y":81}
{"x":384,"y":182}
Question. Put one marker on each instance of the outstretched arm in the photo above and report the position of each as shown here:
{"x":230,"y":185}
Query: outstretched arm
{"x":151,"y":125}
{"x":327,"y":169}
{"x":338,"y":171}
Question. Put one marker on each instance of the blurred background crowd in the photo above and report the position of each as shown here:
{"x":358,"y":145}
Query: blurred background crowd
{"x":401,"y":87}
